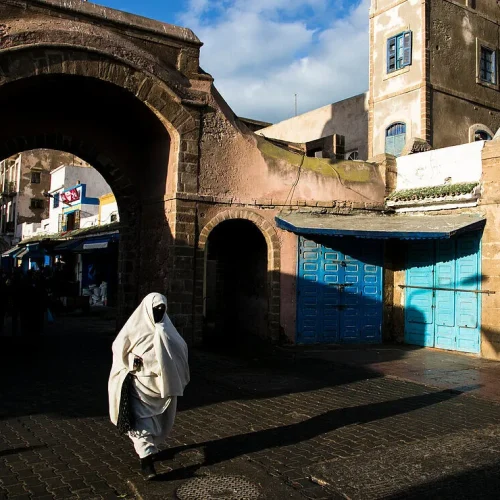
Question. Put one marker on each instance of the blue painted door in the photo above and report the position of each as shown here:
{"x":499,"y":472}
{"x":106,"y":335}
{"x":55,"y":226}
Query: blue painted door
{"x":449,"y":318}
{"x":339,"y":291}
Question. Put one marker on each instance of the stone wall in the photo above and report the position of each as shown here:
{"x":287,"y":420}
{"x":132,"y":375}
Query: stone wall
{"x":175,"y":155}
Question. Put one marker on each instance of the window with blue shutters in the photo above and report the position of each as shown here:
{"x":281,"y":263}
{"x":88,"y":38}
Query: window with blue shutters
{"x":399,"y":51}
{"x":488,"y":65}
{"x":56,"y":200}
{"x":395,"y":138}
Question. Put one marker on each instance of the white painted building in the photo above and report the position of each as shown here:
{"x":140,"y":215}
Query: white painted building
{"x":74,"y":194}
{"x":439,"y":179}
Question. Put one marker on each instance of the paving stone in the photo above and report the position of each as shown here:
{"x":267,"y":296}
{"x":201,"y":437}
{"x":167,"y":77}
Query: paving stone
{"x":38,"y":490}
{"x":285,"y":417}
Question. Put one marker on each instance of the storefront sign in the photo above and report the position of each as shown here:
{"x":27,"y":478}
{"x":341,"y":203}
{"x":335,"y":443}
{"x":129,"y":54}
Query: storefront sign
{"x":70,"y":196}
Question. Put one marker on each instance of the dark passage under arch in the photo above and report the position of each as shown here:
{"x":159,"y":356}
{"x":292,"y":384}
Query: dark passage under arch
{"x":236,"y":289}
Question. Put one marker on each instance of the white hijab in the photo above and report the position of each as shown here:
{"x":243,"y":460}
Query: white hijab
{"x":169,"y":347}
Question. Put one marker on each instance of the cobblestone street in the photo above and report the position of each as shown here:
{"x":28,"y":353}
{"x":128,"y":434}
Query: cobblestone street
{"x":295,"y":428}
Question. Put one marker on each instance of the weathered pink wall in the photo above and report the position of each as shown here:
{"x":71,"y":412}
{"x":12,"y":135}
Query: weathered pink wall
{"x":237,"y":163}
{"x":288,"y":303}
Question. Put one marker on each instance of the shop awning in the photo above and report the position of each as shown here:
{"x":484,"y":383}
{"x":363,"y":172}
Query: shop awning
{"x":12,"y":251}
{"x":35,"y":250}
{"x":380,"y":226}
{"x":92,"y":244}
{"x":22,"y":253}
{"x":66,"y":246}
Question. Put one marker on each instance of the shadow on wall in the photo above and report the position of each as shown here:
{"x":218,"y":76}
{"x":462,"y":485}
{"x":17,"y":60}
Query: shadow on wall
{"x":350,"y":119}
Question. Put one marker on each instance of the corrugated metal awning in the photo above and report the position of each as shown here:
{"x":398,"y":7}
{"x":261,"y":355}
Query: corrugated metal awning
{"x":11,"y":252}
{"x":22,"y":253}
{"x":66,"y":246}
{"x":380,"y":226}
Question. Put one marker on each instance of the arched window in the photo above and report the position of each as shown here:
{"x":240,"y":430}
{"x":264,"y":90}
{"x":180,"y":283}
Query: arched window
{"x":482,"y":135}
{"x":395,"y":138}
{"x":480,"y":132}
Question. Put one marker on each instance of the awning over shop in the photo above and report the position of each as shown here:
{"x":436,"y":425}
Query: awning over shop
{"x":35,"y":250}
{"x":380,"y":226}
{"x":11,"y":252}
{"x":66,"y":246}
{"x":22,"y":253}
{"x":92,"y":244}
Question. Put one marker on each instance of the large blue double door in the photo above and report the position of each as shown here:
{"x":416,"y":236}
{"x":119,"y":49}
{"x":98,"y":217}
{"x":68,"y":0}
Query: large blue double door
{"x":339,"y":291}
{"x":442,"y":304}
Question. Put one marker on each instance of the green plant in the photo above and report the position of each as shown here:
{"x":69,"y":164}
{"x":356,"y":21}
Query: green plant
{"x":433,"y":192}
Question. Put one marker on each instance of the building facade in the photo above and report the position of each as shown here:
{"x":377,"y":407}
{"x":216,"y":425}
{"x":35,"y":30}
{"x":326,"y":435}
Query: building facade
{"x":433,"y":73}
{"x":348,"y":118}
{"x":74,"y":194}
{"x":24,"y":178}
{"x":244,"y":235}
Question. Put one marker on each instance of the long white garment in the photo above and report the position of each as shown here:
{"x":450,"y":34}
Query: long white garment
{"x":165,"y":370}
{"x":150,"y":432}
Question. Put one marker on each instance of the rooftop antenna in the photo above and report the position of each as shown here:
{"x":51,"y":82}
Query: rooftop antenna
{"x":295,"y":104}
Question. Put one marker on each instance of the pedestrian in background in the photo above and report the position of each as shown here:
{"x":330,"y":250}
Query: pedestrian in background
{"x":150,"y":370}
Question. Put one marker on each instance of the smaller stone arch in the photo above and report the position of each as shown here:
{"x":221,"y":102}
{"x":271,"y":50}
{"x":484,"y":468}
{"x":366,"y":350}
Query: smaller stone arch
{"x":273,"y":266}
{"x":480,"y":132}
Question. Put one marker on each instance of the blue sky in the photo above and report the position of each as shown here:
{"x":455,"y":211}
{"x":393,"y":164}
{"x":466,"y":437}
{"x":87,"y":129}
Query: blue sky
{"x":262,"y":52}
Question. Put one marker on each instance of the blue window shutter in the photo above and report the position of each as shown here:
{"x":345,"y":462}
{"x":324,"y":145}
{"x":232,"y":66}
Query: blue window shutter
{"x":395,"y":138}
{"x":494,"y":67}
{"x":389,"y":145}
{"x":391,"y":54}
{"x":407,"y":43}
{"x":399,"y":144}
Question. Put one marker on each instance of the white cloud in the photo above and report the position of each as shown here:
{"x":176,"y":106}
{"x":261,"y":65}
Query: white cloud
{"x":262,"y":52}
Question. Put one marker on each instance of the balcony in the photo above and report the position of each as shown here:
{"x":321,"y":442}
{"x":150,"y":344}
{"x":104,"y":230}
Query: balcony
{"x":10,"y":190}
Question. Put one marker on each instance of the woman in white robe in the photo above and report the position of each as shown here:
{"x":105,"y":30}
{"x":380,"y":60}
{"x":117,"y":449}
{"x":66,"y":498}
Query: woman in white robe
{"x":150,"y":370}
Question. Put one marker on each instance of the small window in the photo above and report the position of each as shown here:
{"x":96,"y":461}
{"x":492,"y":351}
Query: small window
{"x":35,"y":177}
{"x":395,"y":138}
{"x":73,"y":220}
{"x":36,"y":203}
{"x":113,"y":218}
{"x":482,"y":135}
{"x":55,"y":203}
{"x":488,"y":65}
{"x":399,"y":51}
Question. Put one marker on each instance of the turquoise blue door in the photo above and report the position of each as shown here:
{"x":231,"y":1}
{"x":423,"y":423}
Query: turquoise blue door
{"x":339,"y":291}
{"x":442,"y":308}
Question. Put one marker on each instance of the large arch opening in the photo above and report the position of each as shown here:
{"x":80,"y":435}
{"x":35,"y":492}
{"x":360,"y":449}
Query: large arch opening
{"x":112,"y":130}
{"x":59,"y":233}
{"x":236,"y":302}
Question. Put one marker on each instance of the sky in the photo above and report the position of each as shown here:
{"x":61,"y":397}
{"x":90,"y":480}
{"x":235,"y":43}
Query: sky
{"x":263,"y":52}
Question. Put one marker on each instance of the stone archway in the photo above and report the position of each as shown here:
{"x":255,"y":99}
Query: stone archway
{"x":125,"y":122}
{"x":273,"y":267}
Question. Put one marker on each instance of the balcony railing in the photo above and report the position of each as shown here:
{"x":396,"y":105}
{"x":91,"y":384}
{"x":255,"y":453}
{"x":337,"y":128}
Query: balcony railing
{"x":10,"y":189}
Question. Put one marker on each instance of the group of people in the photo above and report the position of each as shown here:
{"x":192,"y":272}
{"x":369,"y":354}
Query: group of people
{"x":20,"y":293}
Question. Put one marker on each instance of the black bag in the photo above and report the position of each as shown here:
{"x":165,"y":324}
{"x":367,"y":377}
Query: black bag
{"x":126,"y":421}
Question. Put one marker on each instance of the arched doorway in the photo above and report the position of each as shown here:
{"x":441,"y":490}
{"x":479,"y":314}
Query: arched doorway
{"x":236,"y":295}
{"x":111,"y":129}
